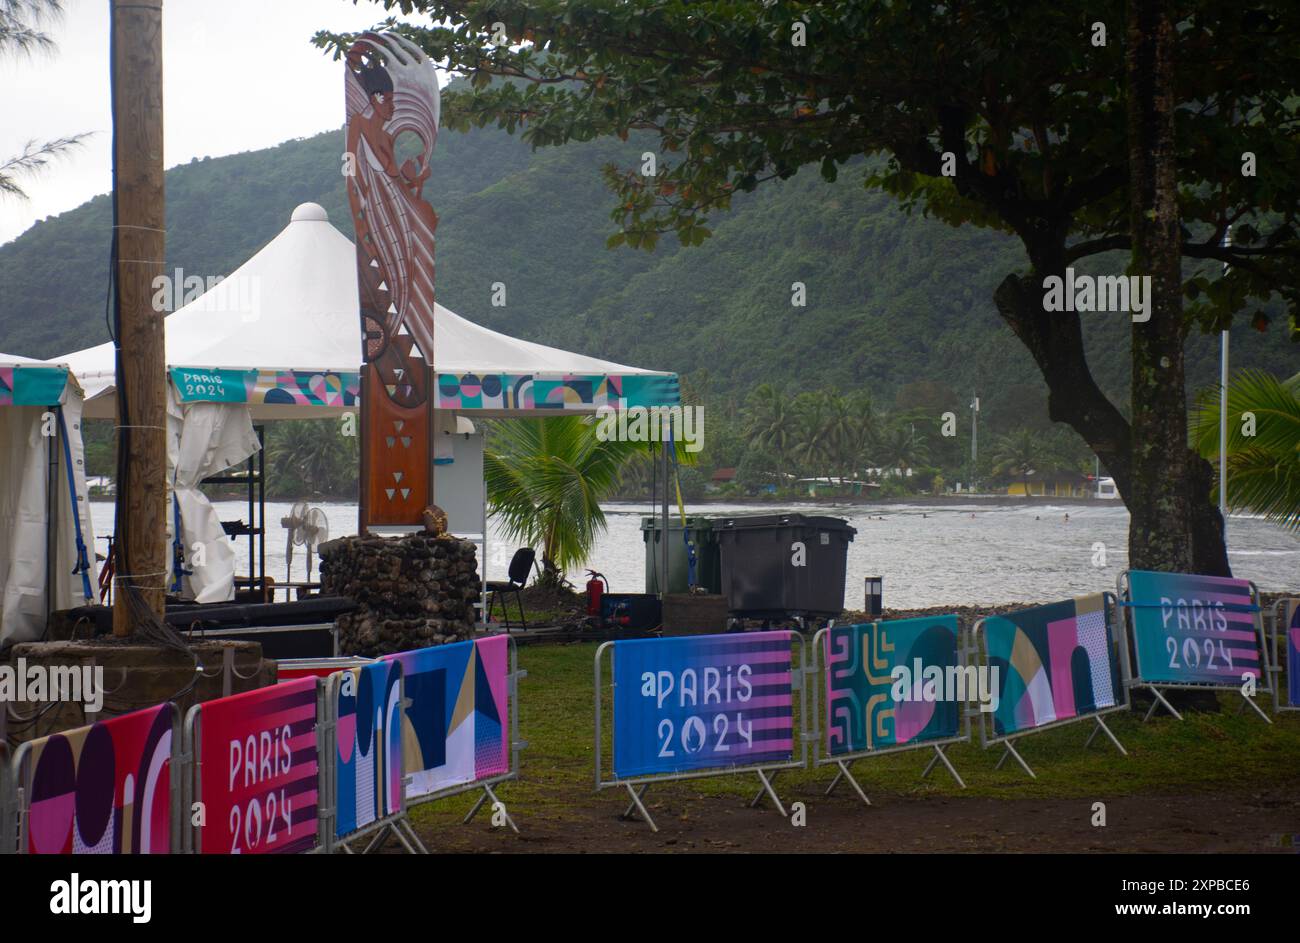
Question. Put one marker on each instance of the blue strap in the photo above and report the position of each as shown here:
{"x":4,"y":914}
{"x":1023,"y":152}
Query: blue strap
{"x":178,"y":546}
{"x":83,"y":560}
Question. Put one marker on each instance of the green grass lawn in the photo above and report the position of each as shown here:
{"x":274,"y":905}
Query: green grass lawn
{"x":1202,"y":753}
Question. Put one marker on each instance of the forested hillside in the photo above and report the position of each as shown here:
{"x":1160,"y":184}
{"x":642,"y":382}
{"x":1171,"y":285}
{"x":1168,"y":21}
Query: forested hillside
{"x":891,"y":299}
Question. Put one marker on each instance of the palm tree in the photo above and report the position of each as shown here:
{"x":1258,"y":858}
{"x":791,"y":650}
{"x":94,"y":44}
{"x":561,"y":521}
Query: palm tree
{"x":1263,"y":444}
{"x":1018,"y":453}
{"x":545,"y":481}
{"x":770,"y":422}
{"x":812,"y":446}
{"x":314,"y":453}
{"x":21,"y":33}
{"x":901,"y":447}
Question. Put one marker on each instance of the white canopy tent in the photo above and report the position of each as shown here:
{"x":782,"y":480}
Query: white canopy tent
{"x":280,"y":338}
{"x":47,"y":542}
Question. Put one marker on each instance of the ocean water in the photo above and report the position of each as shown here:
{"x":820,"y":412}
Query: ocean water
{"x":959,"y":554}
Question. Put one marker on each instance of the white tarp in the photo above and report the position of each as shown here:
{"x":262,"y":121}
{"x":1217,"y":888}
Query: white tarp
{"x":204,"y":439}
{"x":294,"y":306}
{"x":25,"y":453}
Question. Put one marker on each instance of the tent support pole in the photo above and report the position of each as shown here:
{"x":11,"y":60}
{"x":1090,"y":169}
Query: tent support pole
{"x":663,"y":532}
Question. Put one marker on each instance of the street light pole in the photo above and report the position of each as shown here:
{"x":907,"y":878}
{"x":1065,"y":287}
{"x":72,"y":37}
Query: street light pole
{"x":974,"y":438}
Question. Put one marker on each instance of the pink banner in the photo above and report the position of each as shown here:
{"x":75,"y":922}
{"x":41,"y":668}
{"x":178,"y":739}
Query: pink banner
{"x":103,"y":789}
{"x":258,"y":778}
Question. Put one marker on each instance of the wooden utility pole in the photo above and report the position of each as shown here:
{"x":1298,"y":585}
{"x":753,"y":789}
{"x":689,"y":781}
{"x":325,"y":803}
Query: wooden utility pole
{"x":138,"y":235}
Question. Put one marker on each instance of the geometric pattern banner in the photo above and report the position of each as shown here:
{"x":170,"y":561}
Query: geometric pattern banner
{"x":1054,"y":662}
{"x":862,"y":709}
{"x":554,"y":392}
{"x":258,"y":778}
{"x":103,"y":789}
{"x":455,"y":725}
{"x":269,"y":387}
{"x":368,"y":741}
{"x":709,"y":701}
{"x":1194,"y":629}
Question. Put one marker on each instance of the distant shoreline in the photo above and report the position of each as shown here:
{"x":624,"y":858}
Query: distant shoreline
{"x":995,"y":500}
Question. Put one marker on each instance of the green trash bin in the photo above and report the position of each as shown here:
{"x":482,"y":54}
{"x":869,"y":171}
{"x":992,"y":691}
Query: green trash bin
{"x":708,"y":562}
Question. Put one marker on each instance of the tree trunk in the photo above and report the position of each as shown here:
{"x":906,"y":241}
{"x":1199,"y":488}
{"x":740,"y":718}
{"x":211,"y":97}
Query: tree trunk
{"x":1166,"y":487}
{"x":1174,"y":526}
{"x":1169,"y":502}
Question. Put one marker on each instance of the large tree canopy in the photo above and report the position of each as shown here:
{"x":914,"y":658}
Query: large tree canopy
{"x":994,"y":113}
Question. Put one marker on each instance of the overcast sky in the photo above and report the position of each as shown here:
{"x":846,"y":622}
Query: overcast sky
{"x":238,"y":75}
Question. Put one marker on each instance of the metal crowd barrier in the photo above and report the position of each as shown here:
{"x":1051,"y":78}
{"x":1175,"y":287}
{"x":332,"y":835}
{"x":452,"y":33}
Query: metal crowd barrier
{"x":820,"y":667}
{"x":761,"y":770}
{"x":516,"y":745}
{"x":17,"y":817}
{"x":1118,"y":652}
{"x":395,"y":823}
{"x":1281,"y":652}
{"x":1156,"y":688}
{"x":191,"y":762}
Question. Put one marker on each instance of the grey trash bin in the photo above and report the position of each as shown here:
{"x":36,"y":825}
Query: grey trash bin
{"x":761,"y":577}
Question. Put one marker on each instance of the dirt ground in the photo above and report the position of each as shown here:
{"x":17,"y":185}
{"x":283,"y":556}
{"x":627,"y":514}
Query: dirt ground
{"x":1266,"y":820}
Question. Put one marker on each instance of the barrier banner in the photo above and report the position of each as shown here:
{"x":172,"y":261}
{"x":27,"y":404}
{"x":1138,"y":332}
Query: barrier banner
{"x":258,"y":770}
{"x":703,"y":701}
{"x":368,"y":738}
{"x":1292,"y":623}
{"x":289,"y":669}
{"x":102,"y":789}
{"x":455,"y":729}
{"x":1055,"y":662}
{"x":1190,"y":629}
{"x":881,"y":686}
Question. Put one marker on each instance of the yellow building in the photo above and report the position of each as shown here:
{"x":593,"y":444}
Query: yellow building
{"x":1065,"y":484}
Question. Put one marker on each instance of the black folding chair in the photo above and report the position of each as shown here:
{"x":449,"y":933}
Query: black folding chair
{"x":521,"y":564}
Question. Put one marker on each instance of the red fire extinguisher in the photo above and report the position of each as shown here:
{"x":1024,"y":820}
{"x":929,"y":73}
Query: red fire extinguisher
{"x":597,"y":586}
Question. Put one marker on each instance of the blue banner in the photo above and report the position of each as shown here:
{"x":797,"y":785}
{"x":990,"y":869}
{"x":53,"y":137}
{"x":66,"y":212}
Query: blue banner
{"x":368,"y":737}
{"x":1190,"y":629}
{"x":702,"y":702}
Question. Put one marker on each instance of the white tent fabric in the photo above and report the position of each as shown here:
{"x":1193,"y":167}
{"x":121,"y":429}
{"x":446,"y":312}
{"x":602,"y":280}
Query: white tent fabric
{"x":25,"y":506}
{"x":294,"y":306}
{"x":204,"y":439}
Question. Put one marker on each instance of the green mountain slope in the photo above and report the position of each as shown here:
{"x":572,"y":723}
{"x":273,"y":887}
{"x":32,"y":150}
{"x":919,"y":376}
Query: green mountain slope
{"x":891,"y":299}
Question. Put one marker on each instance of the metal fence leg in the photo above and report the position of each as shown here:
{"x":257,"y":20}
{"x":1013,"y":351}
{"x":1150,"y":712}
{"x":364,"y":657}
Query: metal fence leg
{"x":1251,"y":702}
{"x":845,"y":774}
{"x":489,"y":794}
{"x":477,"y":805}
{"x":1159,"y":698}
{"x":636,"y":804}
{"x":1102,"y":728}
{"x":767,"y":786}
{"x":404,"y":826}
{"x":838,"y":776}
{"x":758,"y":797}
{"x":376,"y":841}
{"x":1011,"y":751}
{"x":939,"y":757}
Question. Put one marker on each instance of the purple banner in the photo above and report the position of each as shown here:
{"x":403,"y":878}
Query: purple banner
{"x":700,"y":702}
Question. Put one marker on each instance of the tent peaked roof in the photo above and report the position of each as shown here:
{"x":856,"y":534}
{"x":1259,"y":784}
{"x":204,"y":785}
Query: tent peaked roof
{"x":293,"y":309}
